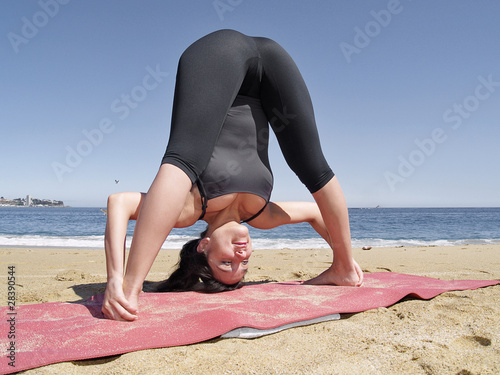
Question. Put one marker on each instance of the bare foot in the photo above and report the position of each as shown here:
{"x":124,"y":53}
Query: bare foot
{"x":338,"y":276}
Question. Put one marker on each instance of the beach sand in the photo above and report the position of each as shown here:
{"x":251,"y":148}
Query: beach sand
{"x":454,"y":333}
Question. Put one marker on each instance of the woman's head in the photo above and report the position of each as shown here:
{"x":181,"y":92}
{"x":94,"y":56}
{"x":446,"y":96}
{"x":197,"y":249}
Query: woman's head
{"x":227,"y":250}
{"x":219,"y":259}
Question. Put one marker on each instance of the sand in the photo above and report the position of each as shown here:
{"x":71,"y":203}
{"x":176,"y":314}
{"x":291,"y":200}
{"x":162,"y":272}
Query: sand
{"x":454,"y":333}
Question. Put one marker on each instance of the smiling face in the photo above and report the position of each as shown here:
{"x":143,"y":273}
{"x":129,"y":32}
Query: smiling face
{"x":228,"y":249}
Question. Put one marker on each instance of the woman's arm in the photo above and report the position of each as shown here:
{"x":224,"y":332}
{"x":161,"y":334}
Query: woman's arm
{"x":329,"y":217}
{"x":281,"y":213}
{"x":122,"y":207}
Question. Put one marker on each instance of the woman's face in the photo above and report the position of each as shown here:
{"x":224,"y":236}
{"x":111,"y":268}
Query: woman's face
{"x":228,"y":249}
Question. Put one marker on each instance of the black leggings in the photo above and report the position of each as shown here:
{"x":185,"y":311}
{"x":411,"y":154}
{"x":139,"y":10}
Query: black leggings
{"x":224,"y":64}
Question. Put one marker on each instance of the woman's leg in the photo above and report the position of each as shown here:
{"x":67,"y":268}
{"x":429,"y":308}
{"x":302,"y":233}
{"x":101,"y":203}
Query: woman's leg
{"x":286,"y":101}
{"x":209,"y":76}
{"x":159,"y":212}
{"x":288,"y":106}
{"x":344,"y":269}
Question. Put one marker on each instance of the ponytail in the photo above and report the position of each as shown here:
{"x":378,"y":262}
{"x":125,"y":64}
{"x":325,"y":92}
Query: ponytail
{"x":191,"y":268}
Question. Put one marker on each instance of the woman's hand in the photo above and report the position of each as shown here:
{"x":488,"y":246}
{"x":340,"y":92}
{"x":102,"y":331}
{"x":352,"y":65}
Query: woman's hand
{"x":117,"y":304}
{"x":339,"y":275}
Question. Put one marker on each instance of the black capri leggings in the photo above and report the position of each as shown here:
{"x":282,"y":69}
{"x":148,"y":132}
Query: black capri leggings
{"x":224,"y":64}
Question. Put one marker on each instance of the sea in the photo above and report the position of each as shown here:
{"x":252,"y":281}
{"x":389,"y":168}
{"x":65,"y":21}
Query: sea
{"x":73,"y":227}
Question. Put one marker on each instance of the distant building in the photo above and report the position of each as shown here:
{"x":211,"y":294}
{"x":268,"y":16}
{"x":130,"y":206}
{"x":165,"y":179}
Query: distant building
{"x":29,"y":201}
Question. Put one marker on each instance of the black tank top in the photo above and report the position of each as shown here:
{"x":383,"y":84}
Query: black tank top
{"x":240,"y":162}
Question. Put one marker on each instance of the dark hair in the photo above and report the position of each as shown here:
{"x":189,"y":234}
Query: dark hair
{"x":191,"y":268}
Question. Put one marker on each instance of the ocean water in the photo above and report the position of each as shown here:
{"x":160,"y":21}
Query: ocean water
{"x":378,"y":227}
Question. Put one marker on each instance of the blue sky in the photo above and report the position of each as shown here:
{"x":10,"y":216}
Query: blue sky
{"x":406,"y":94}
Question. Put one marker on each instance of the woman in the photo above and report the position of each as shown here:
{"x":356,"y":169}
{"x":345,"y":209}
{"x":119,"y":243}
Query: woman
{"x":229,"y":87}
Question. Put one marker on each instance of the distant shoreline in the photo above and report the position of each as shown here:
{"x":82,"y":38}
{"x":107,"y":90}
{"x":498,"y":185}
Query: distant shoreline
{"x":30,"y":201}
